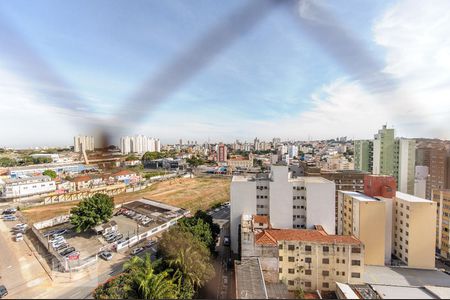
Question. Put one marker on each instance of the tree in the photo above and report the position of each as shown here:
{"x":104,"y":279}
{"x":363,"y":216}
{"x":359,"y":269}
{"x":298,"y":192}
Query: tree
{"x":200,"y":229}
{"x":215,"y":228}
{"x":299,"y":293}
{"x":52,"y":174}
{"x":188,"y":255}
{"x":91,"y":212}
{"x":147,"y":283}
{"x":7,"y":162}
{"x":131,"y":157}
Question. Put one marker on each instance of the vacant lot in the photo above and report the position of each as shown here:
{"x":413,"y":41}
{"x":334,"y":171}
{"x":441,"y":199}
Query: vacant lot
{"x":189,"y":193}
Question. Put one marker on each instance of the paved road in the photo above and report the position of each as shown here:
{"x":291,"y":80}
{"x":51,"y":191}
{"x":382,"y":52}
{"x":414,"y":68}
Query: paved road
{"x":20,"y":271}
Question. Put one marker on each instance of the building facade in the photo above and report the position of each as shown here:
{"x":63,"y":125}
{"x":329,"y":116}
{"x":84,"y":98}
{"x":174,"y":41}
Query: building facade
{"x":365,"y":218}
{"x":222,"y":153}
{"x":16,"y":188}
{"x":404,"y":164}
{"x":83,"y":141}
{"x":442,"y":200}
{"x":436,"y":158}
{"x":414,"y":234}
{"x":139,"y":144}
{"x":383,"y":152}
{"x":290,"y":202}
{"x":363,"y":155}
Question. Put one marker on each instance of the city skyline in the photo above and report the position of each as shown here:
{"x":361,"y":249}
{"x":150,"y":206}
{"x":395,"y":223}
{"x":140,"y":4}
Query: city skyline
{"x":285,"y":85}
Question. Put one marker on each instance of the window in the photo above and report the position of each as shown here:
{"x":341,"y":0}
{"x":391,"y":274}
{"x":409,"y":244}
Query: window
{"x":337,"y":273}
{"x":326,"y":261}
{"x":291,"y":271}
{"x":308,"y":248}
{"x":326,"y":249}
{"x":291,"y":247}
{"x":343,"y":273}
{"x":280,"y":246}
{"x":356,"y":262}
{"x":325,"y":285}
{"x":308,"y":272}
{"x":337,"y":249}
{"x":291,"y":259}
{"x":343,"y":261}
{"x":356,"y":275}
{"x":337,"y":260}
{"x":308,"y":260}
{"x":325,"y":273}
{"x":280,"y":258}
{"x":290,"y":282}
{"x":356,"y":250}
{"x":307,"y":284}
{"x":280,"y":270}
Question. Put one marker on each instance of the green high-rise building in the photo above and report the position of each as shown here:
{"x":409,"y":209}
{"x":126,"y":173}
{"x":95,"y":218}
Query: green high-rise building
{"x":363,"y":155}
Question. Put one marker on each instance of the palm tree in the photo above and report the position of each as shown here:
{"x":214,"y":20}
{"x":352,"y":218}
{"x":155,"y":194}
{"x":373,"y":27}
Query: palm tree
{"x":148,"y":284}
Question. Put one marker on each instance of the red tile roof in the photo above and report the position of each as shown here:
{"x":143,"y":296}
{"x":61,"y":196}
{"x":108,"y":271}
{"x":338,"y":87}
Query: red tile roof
{"x":272,"y":236}
{"x":123,"y":172}
{"x":261,"y":219}
{"x":81,"y":178}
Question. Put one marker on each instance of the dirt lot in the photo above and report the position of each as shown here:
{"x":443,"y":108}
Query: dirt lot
{"x":189,"y":193}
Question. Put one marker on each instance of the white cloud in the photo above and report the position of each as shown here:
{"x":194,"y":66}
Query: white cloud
{"x":415,"y":35}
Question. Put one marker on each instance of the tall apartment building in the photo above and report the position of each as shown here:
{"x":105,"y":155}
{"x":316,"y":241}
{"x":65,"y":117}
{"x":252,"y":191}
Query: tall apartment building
{"x":345,"y":180}
{"x":383,"y":152}
{"x":414,"y":233}
{"x":436,"y":158}
{"x":420,"y":182}
{"x":83,"y":141}
{"x":404,"y":164}
{"x":390,"y":156}
{"x":290,"y":202}
{"x":310,"y":259}
{"x":442,"y":200}
{"x":139,"y":144}
{"x":365,"y":218}
{"x":292,"y":151}
{"x":363,"y":156}
{"x":222,"y":153}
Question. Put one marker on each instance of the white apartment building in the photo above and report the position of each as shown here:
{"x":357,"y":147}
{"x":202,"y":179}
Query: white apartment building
{"x":292,"y":151}
{"x":83,"y":140}
{"x":420,"y":182}
{"x":139,"y":144}
{"x":404,"y":164}
{"x":290,"y":202}
{"x":16,"y":188}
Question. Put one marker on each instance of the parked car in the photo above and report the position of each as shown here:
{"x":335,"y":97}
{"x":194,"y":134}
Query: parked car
{"x":9,"y":218}
{"x":118,"y":237}
{"x":137,"y":251}
{"x":59,"y":232}
{"x":9,"y":211}
{"x":57,"y":238}
{"x":49,"y":233}
{"x":3,"y":291}
{"x":106,"y":255}
{"x":150,"y":244}
{"x":67,"y":251}
{"x":19,"y":237}
{"x":58,"y":244}
{"x":62,"y":247}
{"x":21,"y":225}
{"x":111,"y":238}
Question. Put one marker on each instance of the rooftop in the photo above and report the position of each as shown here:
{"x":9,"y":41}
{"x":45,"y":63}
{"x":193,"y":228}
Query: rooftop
{"x":272,"y":236}
{"x":359,"y":196}
{"x":400,"y":276}
{"x":28,"y":179}
{"x":261,"y":219}
{"x":402,"y":292}
{"x":249,"y":279}
{"x":410,"y":198}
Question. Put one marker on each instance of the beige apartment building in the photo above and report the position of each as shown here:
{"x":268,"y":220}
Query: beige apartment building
{"x":310,"y":259}
{"x":442,"y":200}
{"x":365,"y":218}
{"x":414,"y":233}
{"x":313,"y":260}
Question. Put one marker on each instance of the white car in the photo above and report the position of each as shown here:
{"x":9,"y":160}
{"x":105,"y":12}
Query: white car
{"x":106,"y":255}
{"x":137,"y":251}
{"x":19,"y":237}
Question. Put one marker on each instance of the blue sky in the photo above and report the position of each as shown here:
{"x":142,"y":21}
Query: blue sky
{"x":271,"y":76}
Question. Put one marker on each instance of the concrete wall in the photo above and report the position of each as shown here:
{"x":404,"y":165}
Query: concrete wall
{"x":281,"y":198}
{"x":242,"y":201}
{"x":320,"y":205}
{"x":372,"y":226}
